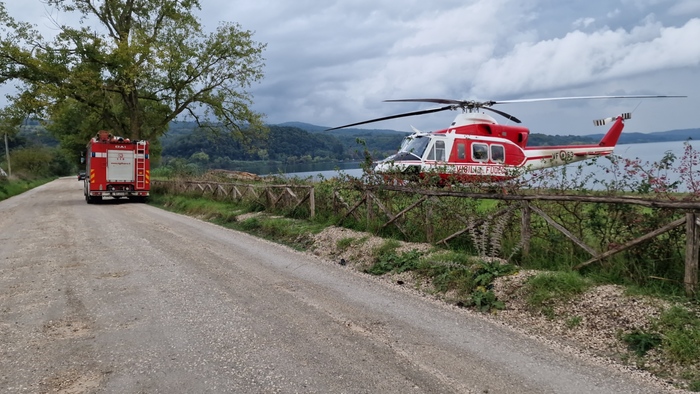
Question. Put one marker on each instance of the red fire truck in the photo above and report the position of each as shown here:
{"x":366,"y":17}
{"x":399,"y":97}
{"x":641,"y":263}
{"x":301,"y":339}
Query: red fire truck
{"x":117,"y":168}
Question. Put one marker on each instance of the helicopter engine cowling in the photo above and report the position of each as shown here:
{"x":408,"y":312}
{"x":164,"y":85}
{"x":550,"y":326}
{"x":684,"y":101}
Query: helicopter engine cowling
{"x":516,"y":134}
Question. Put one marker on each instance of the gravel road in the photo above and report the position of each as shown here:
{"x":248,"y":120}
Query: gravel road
{"x":127,"y":298}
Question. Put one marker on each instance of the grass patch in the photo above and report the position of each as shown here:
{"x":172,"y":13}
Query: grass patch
{"x":573,"y":322}
{"x":291,"y":232}
{"x":676,"y":333}
{"x":547,"y":287}
{"x":680,"y":329}
{"x":9,"y":188}
{"x":345,"y":243}
{"x":641,"y":342}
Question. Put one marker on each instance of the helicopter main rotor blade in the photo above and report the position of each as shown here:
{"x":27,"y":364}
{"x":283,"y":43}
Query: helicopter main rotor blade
{"x":503,"y":114}
{"x":427,"y":100}
{"x":470,"y":105}
{"x":643,"y":96}
{"x":427,"y":111}
{"x":464,"y":104}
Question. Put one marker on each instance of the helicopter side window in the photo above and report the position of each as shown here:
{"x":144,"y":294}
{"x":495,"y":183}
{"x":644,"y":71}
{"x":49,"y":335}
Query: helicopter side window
{"x":480,"y":152}
{"x":440,"y":150}
{"x":437,"y":151}
{"x":461,"y":151}
{"x":498,"y":153}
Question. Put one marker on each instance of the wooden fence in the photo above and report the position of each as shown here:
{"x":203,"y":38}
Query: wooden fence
{"x":288,"y":197}
{"x":432,"y":197}
{"x":428,"y":200}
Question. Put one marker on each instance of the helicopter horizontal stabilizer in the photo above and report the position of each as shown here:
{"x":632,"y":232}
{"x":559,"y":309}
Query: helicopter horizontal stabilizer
{"x":603,"y":122}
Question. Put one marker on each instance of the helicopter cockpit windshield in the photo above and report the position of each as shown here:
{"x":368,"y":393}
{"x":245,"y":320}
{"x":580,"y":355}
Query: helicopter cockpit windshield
{"x":415,"y":144}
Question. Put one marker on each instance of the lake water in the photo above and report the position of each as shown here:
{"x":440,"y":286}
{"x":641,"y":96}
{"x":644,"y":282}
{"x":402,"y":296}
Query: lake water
{"x":312,"y":168}
{"x":649,"y":152}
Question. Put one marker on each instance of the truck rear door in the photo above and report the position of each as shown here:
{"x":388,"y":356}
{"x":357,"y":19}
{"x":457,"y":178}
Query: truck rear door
{"x":120,"y":166}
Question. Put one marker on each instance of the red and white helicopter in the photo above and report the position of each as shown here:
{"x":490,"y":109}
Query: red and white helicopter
{"x":476,"y":148}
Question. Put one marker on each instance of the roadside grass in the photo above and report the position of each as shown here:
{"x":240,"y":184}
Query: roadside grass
{"x":346,"y":243}
{"x":13,"y":187}
{"x":675,"y":334}
{"x":462,"y":279}
{"x":291,"y":232}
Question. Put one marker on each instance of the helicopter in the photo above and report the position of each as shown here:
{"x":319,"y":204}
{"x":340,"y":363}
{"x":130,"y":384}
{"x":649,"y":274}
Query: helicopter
{"x":476,"y":148}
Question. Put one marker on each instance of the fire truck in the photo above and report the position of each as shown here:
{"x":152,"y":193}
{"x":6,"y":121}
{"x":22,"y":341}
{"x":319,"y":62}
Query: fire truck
{"x":116,"y":167}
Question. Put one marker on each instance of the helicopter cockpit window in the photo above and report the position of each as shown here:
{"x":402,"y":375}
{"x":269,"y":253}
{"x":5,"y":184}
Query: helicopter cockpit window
{"x":480,"y":152}
{"x":416,"y":145}
{"x":437,"y":151}
{"x":498,"y":153}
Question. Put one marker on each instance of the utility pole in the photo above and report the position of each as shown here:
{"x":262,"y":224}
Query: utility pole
{"x":7,"y":154}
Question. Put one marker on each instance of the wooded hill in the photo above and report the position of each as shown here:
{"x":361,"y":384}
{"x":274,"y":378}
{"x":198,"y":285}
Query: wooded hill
{"x":294,"y":142}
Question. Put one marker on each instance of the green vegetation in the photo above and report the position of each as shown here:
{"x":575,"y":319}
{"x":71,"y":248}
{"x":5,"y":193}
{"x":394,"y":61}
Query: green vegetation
{"x":388,"y":260}
{"x":32,"y":163}
{"x":291,"y":232}
{"x":641,"y":342}
{"x":547,"y":287}
{"x":675,"y":335}
{"x":9,"y":188}
{"x":284,"y":145}
{"x":680,"y":330}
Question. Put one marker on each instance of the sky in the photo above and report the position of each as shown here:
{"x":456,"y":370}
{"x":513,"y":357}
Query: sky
{"x":332,"y":63}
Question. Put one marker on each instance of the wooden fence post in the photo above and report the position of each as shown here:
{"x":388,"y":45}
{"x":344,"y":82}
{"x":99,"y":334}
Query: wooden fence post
{"x":370,"y":207}
{"x":429,"y":229}
{"x":312,"y":202}
{"x":525,"y":228}
{"x":692,"y":252}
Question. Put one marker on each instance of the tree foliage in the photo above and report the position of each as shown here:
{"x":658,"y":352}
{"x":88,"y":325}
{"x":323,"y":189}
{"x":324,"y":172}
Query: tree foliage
{"x":131,"y":67}
{"x":283,"y":142}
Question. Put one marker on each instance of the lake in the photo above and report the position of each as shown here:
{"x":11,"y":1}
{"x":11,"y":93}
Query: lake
{"x":649,"y":152}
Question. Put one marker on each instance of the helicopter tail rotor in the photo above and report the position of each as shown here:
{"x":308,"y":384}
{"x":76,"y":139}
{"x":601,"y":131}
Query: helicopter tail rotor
{"x":603,"y":122}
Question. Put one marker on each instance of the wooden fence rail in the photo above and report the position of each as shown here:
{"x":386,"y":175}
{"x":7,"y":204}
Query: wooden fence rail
{"x":270,"y":196}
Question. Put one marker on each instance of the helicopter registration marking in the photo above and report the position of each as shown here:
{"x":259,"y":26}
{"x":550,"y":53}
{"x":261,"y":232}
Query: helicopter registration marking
{"x":481,"y":170}
{"x":565,"y":155}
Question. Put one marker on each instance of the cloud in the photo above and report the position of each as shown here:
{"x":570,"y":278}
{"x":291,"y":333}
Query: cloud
{"x":685,"y":7}
{"x":579,"y":58}
{"x":583,"y":22}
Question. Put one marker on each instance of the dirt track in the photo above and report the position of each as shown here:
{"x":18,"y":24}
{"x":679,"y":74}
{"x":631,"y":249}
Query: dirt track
{"x":127,"y":298}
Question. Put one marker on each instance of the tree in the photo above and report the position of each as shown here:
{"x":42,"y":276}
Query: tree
{"x":131,"y":67}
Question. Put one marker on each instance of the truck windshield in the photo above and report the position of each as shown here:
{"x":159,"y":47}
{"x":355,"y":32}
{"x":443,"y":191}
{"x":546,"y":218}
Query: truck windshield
{"x":415,"y":144}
